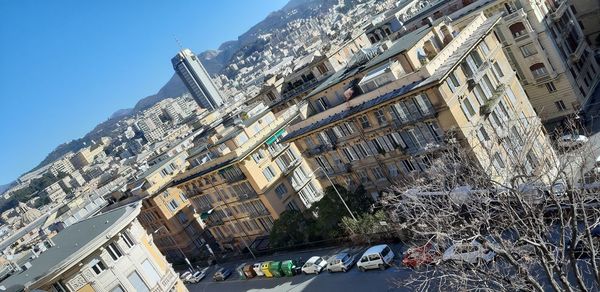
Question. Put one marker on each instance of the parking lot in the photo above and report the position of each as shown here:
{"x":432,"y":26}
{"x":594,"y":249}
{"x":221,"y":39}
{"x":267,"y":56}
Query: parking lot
{"x":353,"y":280}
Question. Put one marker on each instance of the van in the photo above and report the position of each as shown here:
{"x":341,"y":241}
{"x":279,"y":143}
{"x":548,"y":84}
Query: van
{"x":376,"y":257}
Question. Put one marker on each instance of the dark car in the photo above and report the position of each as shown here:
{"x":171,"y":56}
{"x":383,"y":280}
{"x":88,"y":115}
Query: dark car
{"x":222,"y":274}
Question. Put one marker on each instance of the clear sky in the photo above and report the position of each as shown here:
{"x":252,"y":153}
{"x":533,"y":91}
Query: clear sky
{"x":66,"y":66}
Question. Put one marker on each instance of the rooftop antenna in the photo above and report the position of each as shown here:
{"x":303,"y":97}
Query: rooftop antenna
{"x":178,"y":43}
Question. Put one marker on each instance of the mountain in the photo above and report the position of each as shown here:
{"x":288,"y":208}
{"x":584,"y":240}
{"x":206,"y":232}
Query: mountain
{"x":5,"y":187}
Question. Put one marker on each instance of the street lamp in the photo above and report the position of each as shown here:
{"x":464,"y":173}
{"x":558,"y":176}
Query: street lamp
{"x":181,"y":251}
{"x":336,"y":190}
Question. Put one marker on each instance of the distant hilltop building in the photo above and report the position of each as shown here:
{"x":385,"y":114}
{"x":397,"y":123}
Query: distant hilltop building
{"x":196,"y":79}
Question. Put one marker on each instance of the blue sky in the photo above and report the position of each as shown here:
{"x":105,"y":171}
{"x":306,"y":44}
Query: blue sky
{"x":66,"y":66}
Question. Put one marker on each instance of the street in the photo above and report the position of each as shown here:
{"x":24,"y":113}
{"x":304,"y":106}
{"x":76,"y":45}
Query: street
{"x":353,"y":280}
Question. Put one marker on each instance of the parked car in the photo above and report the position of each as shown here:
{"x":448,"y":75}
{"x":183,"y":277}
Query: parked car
{"x":376,"y":257}
{"x":421,"y":255}
{"x":258,"y":270}
{"x":469,"y":252}
{"x":198,"y":276}
{"x":314,"y":265}
{"x":572,"y":141}
{"x":186,"y":276}
{"x":341,"y":262}
{"x":291,"y":267}
{"x":222,"y":274}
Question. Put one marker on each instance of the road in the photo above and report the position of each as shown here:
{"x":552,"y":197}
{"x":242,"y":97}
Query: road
{"x":353,"y":280}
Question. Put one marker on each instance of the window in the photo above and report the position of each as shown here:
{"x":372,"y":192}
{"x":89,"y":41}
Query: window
{"x":127,"y":239}
{"x":137,"y":282}
{"x":113,"y":251}
{"x":322,"y":103}
{"x":467,"y":108}
{"x":377,"y":173}
{"x":363,"y":176}
{"x":498,"y":70}
{"x":550,"y":86}
{"x":538,"y":70}
{"x":528,"y":50}
{"x":498,"y":162}
{"x":97,"y":266}
{"x":322,"y":68}
{"x":292,"y":205}
{"x":385,"y":251}
{"x":281,"y":190}
{"x":257,"y":156}
{"x":152,"y":276}
{"x":518,"y":29}
{"x":483,"y":135}
{"x":408,"y":165}
{"x":374,"y":257}
{"x":364,"y":122}
{"x":117,"y":288}
{"x":350,"y":155}
{"x":452,"y":82}
{"x":173,"y":205}
{"x":380,"y":116}
{"x":269,"y":173}
{"x":59,"y":287}
{"x":182,"y":217}
{"x":484,"y":47}
{"x":560,"y":105}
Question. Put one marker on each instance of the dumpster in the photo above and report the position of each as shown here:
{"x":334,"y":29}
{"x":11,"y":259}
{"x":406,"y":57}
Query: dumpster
{"x":249,"y":272}
{"x":240,"y":271}
{"x":257,"y":269}
{"x":265,"y":268}
{"x":276,"y":269}
{"x":289,"y":268}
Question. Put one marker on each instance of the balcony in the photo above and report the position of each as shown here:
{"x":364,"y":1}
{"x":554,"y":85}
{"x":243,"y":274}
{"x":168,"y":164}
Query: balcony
{"x":212,"y":222}
{"x":166,"y":283}
{"x":320,"y":149}
{"x":288,"y":168}
{"x":299,"y":185}
{"x":248,"y":196}
{"x":491,"y":103}
{"x":517,"y":15}
{"x":275,"y":149}
{"x":342,"y":169}
{"x":576,"y":55}
{"x":558,"y":13}
{"x":474,"y":77}
{"x":525,"y":35}
{"x":236,"y":178}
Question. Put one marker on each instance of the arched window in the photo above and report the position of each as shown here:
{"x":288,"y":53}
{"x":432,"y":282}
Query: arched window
{"x":538,"y":70}
{"x":517,"y":29}
{"x":429,"y":50}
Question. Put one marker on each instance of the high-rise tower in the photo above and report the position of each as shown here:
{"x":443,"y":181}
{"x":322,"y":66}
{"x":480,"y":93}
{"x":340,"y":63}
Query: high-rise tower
{"x":196,"y":79}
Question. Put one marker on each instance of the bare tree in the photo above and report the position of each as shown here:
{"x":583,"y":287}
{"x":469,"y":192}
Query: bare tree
{"x":539,"y":220}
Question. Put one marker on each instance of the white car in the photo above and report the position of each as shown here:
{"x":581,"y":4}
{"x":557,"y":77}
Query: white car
{"x":198,"y":276}
{"x":572,"y":140}
{"x":314,"y":265}
{"x":469,"y":252}
{"x":186,"y":277}
{"x":258,"y":270}
{"x":341,"y":262}
{"x":376,"y":257}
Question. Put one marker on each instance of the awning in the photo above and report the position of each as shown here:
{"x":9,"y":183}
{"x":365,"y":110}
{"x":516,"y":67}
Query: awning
{"x":274,"y":137}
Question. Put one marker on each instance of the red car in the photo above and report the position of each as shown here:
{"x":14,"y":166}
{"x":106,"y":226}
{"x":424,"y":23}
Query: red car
{"x":421,"y":255}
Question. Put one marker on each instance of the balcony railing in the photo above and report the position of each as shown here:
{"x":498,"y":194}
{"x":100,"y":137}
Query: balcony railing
{"x":299,"y":185}
{"x":576,"y":55}
{"x":474,"y":77}
{"x":304,"y":87}
{"x":288,"y":168}
{"x":519,"y":14}
{"x":320,"y":149}
{"x":275,"y":149}
{"x":491,"y":103}
{"x":236,"y":178}
{"x":247,"y":196}
{"x":558,"y":13}
{"x":401,"y":123}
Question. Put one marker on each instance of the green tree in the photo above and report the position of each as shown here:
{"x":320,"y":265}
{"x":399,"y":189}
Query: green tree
{"x":292,"y":228}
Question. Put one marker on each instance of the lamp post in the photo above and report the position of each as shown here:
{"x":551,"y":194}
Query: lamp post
{"x":336,"y":190}
{"x":181,"y":251}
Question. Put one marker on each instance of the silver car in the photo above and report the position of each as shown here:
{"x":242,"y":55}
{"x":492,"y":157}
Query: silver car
{"x":341,"y":262}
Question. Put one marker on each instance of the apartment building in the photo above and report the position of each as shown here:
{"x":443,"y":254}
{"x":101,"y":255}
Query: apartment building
{"x":167,"y":213}
{"x":546,"y":48}
{"x":242,"y":178}
{"x":113,"y":254}
{"x":388,"y":113}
